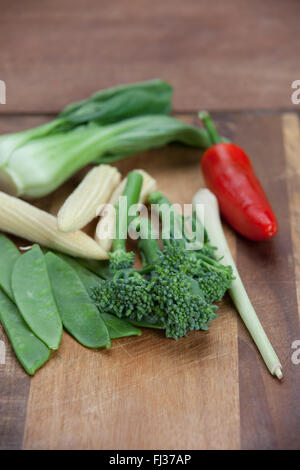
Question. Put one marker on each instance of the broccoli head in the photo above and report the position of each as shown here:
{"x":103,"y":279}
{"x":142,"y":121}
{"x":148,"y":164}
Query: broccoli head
{"x":127,"y":295}
{"x":213,"y":277}
{"x":178,"y":303}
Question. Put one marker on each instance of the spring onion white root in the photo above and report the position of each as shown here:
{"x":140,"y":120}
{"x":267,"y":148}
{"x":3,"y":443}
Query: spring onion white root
{"x":83,"y":204}
{"x":210,"y":218}
{"x":19,"y":218}
{"x":107,"y":222}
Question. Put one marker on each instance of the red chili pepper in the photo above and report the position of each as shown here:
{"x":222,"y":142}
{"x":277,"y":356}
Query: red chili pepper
{"x":229,"y":174}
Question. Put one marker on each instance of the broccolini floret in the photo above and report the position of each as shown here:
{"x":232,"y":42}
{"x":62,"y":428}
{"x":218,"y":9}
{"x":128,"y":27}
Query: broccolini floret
{"x":213,"y":277}
{"x":127,"y":295}
{"x":176,"y":288}
{"x":179,"y":303}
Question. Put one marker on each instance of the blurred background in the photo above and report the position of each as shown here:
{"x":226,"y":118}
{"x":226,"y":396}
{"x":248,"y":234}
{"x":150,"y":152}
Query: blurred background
{"x":221,"y":55}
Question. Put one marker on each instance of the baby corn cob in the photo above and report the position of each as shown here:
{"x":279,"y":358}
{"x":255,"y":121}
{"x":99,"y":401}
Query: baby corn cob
{"x":19,"y":218}
{"x":82,"y":205}
{"x":107,"y":223}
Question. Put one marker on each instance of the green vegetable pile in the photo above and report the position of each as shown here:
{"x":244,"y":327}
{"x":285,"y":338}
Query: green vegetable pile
{"x":177,"y":287}
{"x":42,"y":292}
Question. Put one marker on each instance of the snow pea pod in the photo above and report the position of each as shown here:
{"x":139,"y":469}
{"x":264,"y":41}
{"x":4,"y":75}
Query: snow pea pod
{"x":117,"y":327}
{"x":78,"y":313}
{"x":31,"y":352}
{"x":88,"y":279}
{"x":9,"y":254}
{"x":34,"y":298}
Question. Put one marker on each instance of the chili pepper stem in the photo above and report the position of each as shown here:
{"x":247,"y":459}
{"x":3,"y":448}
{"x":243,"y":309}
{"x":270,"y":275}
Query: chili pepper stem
{"x":210,"y":127}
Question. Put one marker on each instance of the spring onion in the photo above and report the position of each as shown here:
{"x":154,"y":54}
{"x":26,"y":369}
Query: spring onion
{"x":210,"y":218}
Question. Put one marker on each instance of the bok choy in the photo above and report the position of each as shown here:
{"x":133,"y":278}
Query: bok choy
{"x":104,"y":107}
{"x":110,"y":125}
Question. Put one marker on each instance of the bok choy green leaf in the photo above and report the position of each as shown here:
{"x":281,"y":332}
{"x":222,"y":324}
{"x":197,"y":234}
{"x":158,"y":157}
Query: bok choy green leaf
{"x":105,"y":107}
{"x":121,"y":102}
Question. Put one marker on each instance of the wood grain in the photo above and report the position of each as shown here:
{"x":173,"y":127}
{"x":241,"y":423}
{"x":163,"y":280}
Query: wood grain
{"x":218,"y":55}
{"x":270,"y":414}
{"x":210,"y":390}
{"x":146,"y":393}
{"x":14,"y":392}
{"x":291,"y":136}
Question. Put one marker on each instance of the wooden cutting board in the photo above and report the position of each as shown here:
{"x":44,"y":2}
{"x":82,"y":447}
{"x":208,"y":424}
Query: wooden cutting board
{"x":210,"y":390}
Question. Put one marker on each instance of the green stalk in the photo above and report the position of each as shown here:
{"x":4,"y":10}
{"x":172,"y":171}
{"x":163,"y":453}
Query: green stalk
{"x":177,"y":221}
{"x":149,"y":251}
{"x":210,"y":127}
{"x":148,"y":247}
{"x":120,"y":259}
{"x":132,"y":193}
{"x":237,"y":292}
{"x":177,"y":228}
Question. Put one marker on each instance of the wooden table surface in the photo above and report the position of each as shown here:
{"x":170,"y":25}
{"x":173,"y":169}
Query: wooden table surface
{"x":210,"y":390}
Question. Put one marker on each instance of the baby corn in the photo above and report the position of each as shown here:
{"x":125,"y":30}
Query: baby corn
{"x":82,"y":205}
{"x":19,"y":218}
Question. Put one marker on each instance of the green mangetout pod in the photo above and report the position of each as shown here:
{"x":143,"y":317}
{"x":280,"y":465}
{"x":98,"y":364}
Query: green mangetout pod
{"x":117,"y":327}
{"x":78,"y":313}
{"x":9,"y":254}
{"x":34,"y":298}
{"x":31,"y":352}
{"x":88,"y":278}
